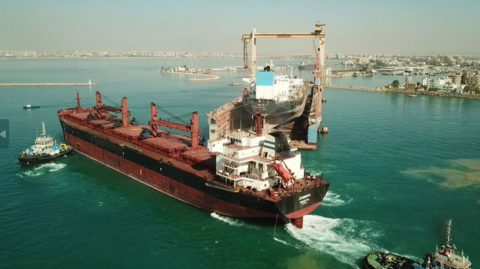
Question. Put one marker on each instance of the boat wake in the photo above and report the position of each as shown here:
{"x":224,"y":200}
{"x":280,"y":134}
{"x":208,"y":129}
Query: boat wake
{"x":297,"y":246}
{"x":345,"y":239}
{"x":231,"y":221}
{"x":332,"y":199}
{"x":42,"y":169}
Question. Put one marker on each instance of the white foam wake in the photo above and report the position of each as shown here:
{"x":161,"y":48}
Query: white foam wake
{"x":40,"y":170}
{"x":231,"y":221}
{"x":334,"y":200}
{"x":345,"y":239}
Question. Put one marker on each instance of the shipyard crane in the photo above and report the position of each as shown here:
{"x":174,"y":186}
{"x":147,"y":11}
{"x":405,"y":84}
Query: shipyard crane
{"x":252,"y":37}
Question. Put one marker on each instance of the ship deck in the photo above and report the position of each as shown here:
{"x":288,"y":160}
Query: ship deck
{"x":176,"y":148}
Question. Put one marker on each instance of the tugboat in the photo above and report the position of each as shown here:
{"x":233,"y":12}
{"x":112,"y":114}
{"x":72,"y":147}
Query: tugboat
{"x":44,"y":150}
{"x":30,"y":106}
{"x":379,"y":260}
{"x":444,"y":257}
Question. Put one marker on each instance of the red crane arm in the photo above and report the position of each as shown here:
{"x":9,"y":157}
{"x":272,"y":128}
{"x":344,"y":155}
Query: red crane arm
{"x":192,"y":128}
{"x":171,"y":125}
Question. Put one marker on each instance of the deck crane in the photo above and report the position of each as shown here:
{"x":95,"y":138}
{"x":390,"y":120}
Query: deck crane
{"x":192,"y":127}
{"x":99,"y":107}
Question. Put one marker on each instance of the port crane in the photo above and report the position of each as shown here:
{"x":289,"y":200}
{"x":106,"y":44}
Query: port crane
{"x":318,"y":34}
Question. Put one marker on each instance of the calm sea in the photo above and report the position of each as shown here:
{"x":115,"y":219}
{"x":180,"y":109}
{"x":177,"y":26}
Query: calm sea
{"x":398,"y":165}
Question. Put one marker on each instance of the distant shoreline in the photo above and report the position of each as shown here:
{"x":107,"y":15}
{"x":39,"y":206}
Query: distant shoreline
{"x":410,"y":92}
{"x":144,"y":57}
{"x":123,"y":57}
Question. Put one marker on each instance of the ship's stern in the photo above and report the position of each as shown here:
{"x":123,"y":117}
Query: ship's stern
{"x":301,"y":203}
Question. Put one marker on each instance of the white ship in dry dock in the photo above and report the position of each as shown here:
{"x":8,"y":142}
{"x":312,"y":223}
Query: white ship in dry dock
{"x":281,"y":98}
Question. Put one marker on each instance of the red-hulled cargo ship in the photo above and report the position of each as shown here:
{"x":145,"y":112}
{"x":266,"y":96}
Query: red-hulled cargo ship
{"x":245,"y":174}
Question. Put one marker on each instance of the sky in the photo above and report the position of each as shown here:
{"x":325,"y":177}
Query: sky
{"x":352,"y":26}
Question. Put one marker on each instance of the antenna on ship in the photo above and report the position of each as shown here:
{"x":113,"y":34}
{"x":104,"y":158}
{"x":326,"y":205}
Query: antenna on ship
{"x":43,"y":129}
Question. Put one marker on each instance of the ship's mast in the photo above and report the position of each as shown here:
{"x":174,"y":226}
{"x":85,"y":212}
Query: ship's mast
{"x":78,"y":101}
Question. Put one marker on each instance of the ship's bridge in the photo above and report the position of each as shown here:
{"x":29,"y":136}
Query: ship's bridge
{"x":246,"y":159}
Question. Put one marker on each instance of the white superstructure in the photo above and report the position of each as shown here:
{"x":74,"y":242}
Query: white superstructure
{"x":269,"y":86}
{"x":43,"y":145}
{"x":257,"y":161}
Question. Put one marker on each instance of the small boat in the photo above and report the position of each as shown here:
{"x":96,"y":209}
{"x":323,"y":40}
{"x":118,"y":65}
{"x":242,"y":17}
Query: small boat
{"x":44,"y":150}
{"x":30,"y":106}
{"x":412,"y":95}
{"x":445,"y":256}
{"x":184,"y":90}
{"x":234,"y":83}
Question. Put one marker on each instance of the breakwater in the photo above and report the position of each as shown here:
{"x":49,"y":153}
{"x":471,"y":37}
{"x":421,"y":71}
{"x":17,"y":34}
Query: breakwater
{"x":46,"y":84}
{"x":205,"y":77}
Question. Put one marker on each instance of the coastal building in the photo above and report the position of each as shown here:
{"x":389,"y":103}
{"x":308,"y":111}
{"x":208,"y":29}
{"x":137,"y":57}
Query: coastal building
{"x":444,"y":84}
{"x":474,"y":80}
{"x":348,"y":62}
{"x":456,"y":79}
{"x":363,"y":60}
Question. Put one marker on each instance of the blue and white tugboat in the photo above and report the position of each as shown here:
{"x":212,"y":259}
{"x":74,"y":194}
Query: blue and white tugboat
{"x":444,"y":257}
{"x":44,"y":150}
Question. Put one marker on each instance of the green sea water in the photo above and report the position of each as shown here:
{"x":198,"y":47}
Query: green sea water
{"x":398,"y":165}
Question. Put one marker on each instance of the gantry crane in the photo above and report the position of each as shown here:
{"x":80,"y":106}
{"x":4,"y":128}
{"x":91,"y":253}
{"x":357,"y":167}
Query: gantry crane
{"x":317,"y":33}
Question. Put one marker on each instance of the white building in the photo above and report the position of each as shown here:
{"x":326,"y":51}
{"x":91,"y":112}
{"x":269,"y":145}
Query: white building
{"x":444,"y":84}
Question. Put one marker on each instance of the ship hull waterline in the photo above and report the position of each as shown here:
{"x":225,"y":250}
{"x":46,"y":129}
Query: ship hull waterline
{"x":198,"y":194}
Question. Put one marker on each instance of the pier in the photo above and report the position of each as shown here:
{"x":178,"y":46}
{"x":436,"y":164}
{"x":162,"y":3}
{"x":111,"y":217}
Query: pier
{"x":355,"y":88}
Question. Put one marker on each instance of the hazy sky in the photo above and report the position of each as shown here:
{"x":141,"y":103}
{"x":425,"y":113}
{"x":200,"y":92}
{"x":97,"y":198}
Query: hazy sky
{"x":353,"y":26}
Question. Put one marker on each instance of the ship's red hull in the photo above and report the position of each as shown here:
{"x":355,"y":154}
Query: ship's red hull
{"x":176,"y":166}
{"x":174,"y":188}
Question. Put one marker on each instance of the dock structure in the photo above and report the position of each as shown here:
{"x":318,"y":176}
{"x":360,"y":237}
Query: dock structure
{"x":356,"y":88}
{"x":89,"y":83}
{"x":303,"y":132}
